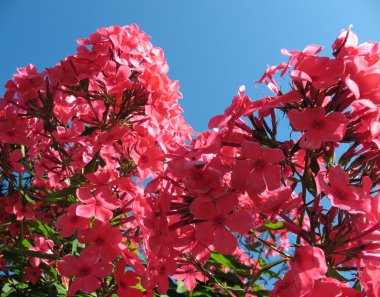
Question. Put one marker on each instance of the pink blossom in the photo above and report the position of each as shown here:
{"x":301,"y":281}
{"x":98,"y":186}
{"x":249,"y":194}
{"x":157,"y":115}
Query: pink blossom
{"x":87,"y":270}
{"x":97,"y":204}
{"x":217,"y":216}
{"x":318,"y":128}
{"x":257,"y":168}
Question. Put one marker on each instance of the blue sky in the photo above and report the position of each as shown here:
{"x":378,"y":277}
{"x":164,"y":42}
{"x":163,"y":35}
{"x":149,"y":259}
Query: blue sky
{"x":212,"y":46}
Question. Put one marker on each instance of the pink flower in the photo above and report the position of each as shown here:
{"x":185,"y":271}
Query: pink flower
{"x":370,"y":278}
{"x":104,"y":240}
{"x":268,"y":77}
{"x":199,"y":176}
{"x":14,"y":159}
{"x":310,"y":261}
{"x":342,"y":194}
{"x":148,"y":157}
{"x":308,"y":266}
{"x":266,"y":105}
{"x":328,"y":286}
{"x":15,"y":206}
{"x":189,"y":275}
{"x":115,"y":78}
{"x":86,"y":269}
{"x":126,"y":279}
{"x":42,"y":245}
{"x":97,"y":204}
{"x":256,"y":169}
{"x":69,"y":222}
{"x":32,"y":274}
{"x":238,"y":107}
{"x":158,"y":275}
{"x":271,"y":202}
{"x":217,"y":216}
{"x":318,"y":127}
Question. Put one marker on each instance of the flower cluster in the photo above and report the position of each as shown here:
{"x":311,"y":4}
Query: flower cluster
{"x":106,"y":188}
{"x":77,"y":140}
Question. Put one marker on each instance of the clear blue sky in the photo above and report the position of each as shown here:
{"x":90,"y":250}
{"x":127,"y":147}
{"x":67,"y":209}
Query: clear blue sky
{"x":212,"y":46}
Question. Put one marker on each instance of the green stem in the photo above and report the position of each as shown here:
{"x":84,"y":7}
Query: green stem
{"x":30,"y":253}
{"x":304,"y":176}
{"x":208,"y":274}
{"x":267,"y":267}
{"x":271,"y":246}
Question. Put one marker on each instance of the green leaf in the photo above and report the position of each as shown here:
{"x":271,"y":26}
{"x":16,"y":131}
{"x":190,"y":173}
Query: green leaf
{"x":23,"y":151}
{"x":181,"y":287}
{"x":222,"y":260}
{"x":61,"y":290}
{"x":203,"y":292}
{"x":310,"y":184}
{"x":39,"y":227}
{"x":89,"y":130}
{"x":357,"y":286}
{"x":27,"y":197}
{"x":7,"y":290}
{"x":262,"y":262}
{"x":26,"y":243}
{"x":271,"y":226}
{"x":56,"y":196}
{"x":92,"y":166}
{"x":29,"y":253}
{"x":335,"y":274}
{"x":75,"y":246}
{"x":262,"y":293}
{"x":314,"y":166}
{"x":230,"y":278}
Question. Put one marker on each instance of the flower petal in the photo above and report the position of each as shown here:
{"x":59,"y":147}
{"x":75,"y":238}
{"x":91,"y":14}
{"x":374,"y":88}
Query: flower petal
{"x":86,"y":211}
{"x":224,"y":241}
{"x":205,"y":232}
{"x":88,"y":257}
{"x":69,"y":266}
{"x":89,"y":284}
{"x":239,"y":221}
{"x":225,"y":203}
{"x":103,"y":214}
{"x":203,"y":208}
{"x":102,"y":269}
{"x":255,"y":183}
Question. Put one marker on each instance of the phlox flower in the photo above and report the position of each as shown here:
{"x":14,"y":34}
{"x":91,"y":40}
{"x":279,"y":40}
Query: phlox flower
{"x":318,"y":128}
{"x":257,"y":168}
{"x":125,"y":279}
{"x":70,"y":221}
{"x":87,"y":270}
{"x":216,"y":216}
{"x":42,"y":245}
{"x":189,"y":275}
{"x":97,"y":204}
{"x":342,"y":194}
{"x":103,"y":238}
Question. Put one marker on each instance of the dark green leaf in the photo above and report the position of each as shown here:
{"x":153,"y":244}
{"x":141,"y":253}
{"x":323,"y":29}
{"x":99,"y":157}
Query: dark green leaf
{"x":335,"y":274}
{"x":222,"y":260}
{"x":56,"y":196}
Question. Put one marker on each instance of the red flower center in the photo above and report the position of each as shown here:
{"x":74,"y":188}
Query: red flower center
{"x":11,"y":133}
{"x":219,"y":220}
{"x":99,"y":241}
{"x":318,"y":124}
{"x":85,"y":271}
{"x":259,"y":164}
